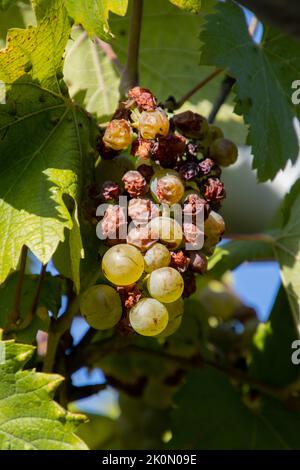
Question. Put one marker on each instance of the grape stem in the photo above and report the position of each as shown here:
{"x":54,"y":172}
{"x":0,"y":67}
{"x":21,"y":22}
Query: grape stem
{"x":14,"y":316}
{"x":231,"y":372}
{"x":225,"y":89}
{"x":172,"y":106}
{"x":261,"y":237}
{"x":130,"y":75}
{"x":113,"y":345}
{"x":110,"y":54}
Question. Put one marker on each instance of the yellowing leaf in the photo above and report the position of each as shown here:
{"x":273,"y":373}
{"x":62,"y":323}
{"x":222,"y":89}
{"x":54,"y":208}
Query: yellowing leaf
{"x":93,"y":15}
{"x":194,"y":6}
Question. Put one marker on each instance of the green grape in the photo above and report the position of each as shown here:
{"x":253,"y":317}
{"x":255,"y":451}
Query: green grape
{"x":165,"y":285}
{"x":219,"y":300}
{"x":123,"y":264}
{"x":149,"y":317}
{"x":101,"y":307}
{"x":158,"y":256}
{"x":223,"y":151}
{"x":175,"y":310}
{"x":167,"y":230}
{"x":167,"y":187}
{"x":214,"y":227}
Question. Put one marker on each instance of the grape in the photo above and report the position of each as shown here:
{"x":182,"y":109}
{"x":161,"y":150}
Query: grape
{"x":123,"y":265}
{"x":158,"y":256}
{"x":118,"y":134}
{"x":175,"y":310}
{"x":167,"y":230}
{"x":214,"y":133}
{"x":167,"y":187}
{"x":149,"y":317}
{"x":223,"y":151}
{"x":101,"y":307}
{"x":219,"y":300}
{"x":165,"y":285}
{"x":153,"y":123}
{"x":214,"y":227}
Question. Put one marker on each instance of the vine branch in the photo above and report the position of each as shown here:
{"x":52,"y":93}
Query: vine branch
{"x":113,"y":345}
{"x":56,"y":330}
{"x":260,"y":237}
{"x":172,"y":106}
{"x":110,"y":53}
{"x":130,"y":75}
{"x":14,"y":316}
{"x":35,"y":302}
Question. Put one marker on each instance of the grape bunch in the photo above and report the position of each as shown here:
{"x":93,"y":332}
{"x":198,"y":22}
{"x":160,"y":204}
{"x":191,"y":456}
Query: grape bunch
{"x":170,"y":160}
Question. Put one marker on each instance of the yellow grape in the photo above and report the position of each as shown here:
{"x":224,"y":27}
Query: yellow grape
{"x":158,"y":256}
{"x":167,"y":230}
{"x":101,"y":307}
{"x":149,"y":317}
{"x":165,"y":285}
{"x":123,"y":264}
{"x":175,"y":310}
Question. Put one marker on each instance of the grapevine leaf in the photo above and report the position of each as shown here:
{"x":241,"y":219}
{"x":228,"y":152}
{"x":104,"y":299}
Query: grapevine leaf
{"x":100,"y":433}
{"x":264,"y":74}
{"x":87,"y":271}
{"x":37,"y":51}
{"x":271,"y":352}
{"x":47,"y":166}
{"x":287,"y":247}
{"x":49,"y":139}
{"x":30,"y":419}
{"x":18,"y":16}
{"x":230,"y":255}
{"x":194,"y":6}
{"x":93,"y":80}
{"x":88,"y":69}
{"x":4,"y":4}
{"x":268,"y":426}
{"x":49,"y":300}
{"x":93,"y":15}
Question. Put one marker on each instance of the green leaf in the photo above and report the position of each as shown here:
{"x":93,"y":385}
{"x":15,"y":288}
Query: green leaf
{"x":287,"y":247}
{"x":220,"y":419}
{"x":264,"y":75}
{"x":271,"y":353}
{"x":4,"y":4}
{"x":49,"y":139}
{"x":87,"y":271}
{"x":30,"y":419}
{"x":168,"y":66}
{"x":50,"y":299}
{"x":194,"y":6}
{"x":230,"y":255}
{"x":93,"y":15}
{"x":90,"y":75}
{"x":101,"y":432}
